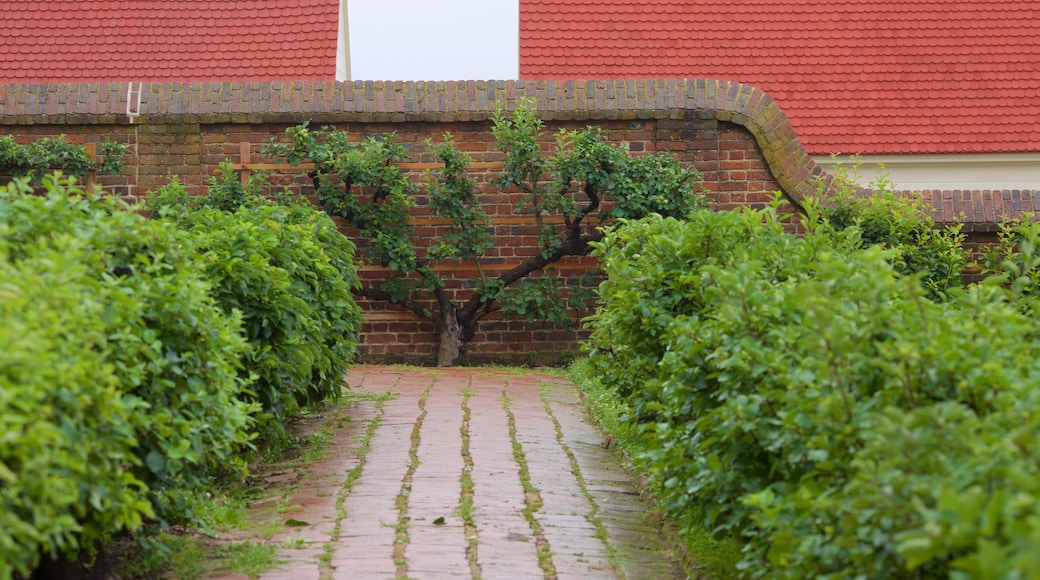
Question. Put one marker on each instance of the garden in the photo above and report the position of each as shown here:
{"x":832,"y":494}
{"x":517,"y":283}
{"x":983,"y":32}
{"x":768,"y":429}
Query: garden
{"x":145,"y":359}
{"x":835,"y":404}
{"x":813,"y":396}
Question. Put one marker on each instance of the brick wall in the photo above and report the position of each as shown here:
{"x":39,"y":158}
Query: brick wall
{"x":734,"y":134}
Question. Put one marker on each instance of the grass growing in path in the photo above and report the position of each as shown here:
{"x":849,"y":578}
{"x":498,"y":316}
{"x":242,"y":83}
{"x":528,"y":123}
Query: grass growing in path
{"x":364,"y":445}
{"x":191,"y":548}
{"x":466,"y":483}
{"x":401,"y":503}
{"x":532,"y":497}
{"x":593,"y":514}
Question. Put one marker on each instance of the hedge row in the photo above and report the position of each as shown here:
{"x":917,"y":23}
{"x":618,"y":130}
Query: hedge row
{"x":290,"y":272}
{"x":126,"y":370}
{"x":843,"y":418}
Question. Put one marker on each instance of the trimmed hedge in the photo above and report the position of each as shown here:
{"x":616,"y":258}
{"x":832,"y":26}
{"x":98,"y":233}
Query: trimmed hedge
{"x":139,"y":359}
{"x":67,"y":440}
{"x":287,"y":268}
{"x":809,"y":399}
{"x":147,"y":390}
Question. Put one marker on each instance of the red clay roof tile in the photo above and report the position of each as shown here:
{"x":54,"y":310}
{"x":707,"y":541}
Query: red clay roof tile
{"x":889,"y":76}
{"x":198,"y":40}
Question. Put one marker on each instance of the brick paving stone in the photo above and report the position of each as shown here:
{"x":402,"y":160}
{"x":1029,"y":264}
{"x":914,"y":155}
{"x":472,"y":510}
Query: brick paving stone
{"x":506,"y":547}
{"x":591,"y":518}
{"x":571,"y":537}
{"x":314,"y":502}
{"x":610,"y":486}
{"x":370,"y":508}
{"x":438,"y":550}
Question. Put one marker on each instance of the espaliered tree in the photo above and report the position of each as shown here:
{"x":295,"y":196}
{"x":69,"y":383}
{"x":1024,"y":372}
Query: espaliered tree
{"x":571,"y":194}
{"x":49,"y":154}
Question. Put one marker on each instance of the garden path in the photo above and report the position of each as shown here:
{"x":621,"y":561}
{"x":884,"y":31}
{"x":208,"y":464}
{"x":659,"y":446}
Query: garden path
{"x":466,"y":472}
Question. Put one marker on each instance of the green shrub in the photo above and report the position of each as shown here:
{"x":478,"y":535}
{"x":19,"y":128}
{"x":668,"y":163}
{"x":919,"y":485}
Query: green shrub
{"x":901,"y":221}
{"x":803,"y":395}
{"x":653,"y":277}
{"x":67,"y":436}
{"x":935,"y":467}
{"x":164,"y":356}
{"x":290,"y":273}
{"x":671,"y":286}
{"x":1014,"y":258}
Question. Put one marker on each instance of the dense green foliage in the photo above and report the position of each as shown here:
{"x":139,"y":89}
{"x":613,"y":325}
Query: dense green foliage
{"x":804,"y":395}
{"x":126,"y":375}
{"x":139,"y":359}
{"x":901,"y":221}
{"x":290,"y":273}
{"x":1016,"y":256}
{"x":67,"y":441}
{"x":47,"y":154}
{"x":585,"y":177}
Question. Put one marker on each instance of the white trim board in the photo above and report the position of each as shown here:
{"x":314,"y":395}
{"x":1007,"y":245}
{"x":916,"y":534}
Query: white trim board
{"x":343,"y":44}
{"x":945,"y":172}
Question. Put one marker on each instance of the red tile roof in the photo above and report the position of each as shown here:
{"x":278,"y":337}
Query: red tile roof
{"x":875,"y":77}
{"x":188,"y":40}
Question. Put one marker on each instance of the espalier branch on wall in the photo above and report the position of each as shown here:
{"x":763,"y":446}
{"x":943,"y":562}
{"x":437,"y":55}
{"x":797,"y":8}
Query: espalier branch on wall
{"x":735,"y":135}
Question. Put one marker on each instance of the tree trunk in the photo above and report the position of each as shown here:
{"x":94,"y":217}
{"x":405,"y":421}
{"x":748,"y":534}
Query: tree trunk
{"x":452,"y":344}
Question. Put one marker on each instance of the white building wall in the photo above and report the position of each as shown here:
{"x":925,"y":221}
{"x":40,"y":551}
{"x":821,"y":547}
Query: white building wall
{"x":944,"y":172}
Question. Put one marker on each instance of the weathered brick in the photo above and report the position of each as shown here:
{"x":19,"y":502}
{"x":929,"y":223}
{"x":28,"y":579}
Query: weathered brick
{"x":735,"y":135}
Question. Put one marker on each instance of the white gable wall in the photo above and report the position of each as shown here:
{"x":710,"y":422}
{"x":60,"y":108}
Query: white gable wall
{"x":944,"y":172}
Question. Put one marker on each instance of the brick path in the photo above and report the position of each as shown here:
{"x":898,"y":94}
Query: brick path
{"x":466,"y":473}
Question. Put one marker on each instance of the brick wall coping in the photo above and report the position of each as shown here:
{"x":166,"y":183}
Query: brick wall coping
{"x":447,"y":101}
{"x":981,"y":210}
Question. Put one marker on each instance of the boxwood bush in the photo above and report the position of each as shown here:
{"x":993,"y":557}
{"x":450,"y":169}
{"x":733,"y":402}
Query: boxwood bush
{"x":806,"y":396}
{"x":120,"y":372}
